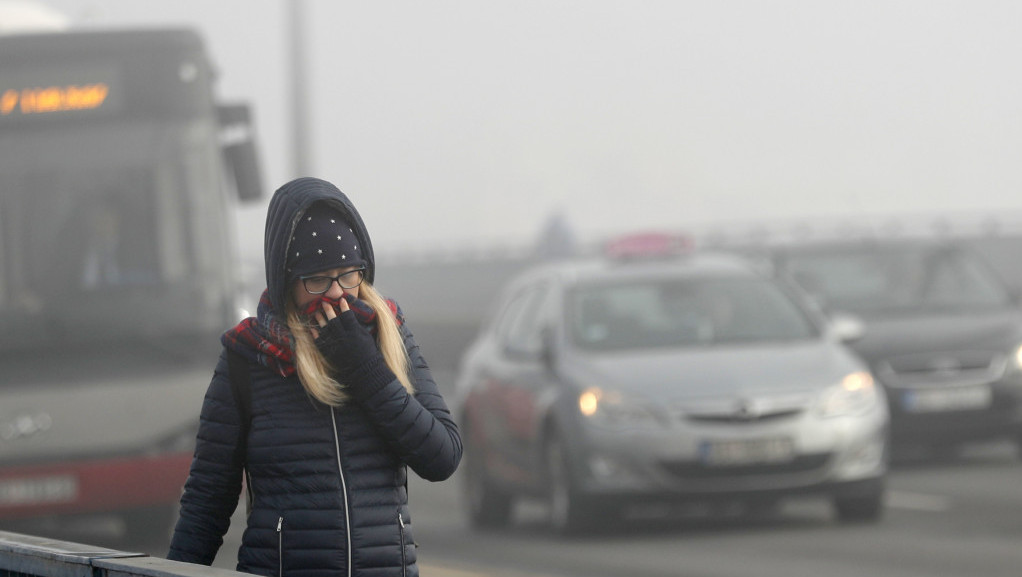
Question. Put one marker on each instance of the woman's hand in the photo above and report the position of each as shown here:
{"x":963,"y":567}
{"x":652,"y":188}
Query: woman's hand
{"x":328,"y":314}
{"x":351,"y":350}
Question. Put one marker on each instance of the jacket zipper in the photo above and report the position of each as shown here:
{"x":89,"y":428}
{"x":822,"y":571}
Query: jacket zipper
{"x":280,"y":547}
{"x":401,"y":529}
{"x":344,"y":487}
{"x":249,"y":493}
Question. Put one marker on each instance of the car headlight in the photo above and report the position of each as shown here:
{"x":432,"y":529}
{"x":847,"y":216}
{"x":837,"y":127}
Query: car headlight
{"x":611,"y":408}
{"x":1016,"y":358}
{"x":856,"y":393}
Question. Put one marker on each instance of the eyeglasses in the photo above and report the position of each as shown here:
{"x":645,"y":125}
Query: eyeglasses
{"x":319,"y":284}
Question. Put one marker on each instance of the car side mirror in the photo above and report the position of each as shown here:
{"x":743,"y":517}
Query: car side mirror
{"x":845,"y":327}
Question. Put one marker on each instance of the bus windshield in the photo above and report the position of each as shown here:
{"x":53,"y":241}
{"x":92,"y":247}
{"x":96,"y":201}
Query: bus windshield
{"x":112,"y":221}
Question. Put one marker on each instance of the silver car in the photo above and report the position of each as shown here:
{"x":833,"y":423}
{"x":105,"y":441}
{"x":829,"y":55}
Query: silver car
{"x":614,"y":383}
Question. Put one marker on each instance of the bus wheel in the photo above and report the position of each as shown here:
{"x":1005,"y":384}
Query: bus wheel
{"x":153,"y":524}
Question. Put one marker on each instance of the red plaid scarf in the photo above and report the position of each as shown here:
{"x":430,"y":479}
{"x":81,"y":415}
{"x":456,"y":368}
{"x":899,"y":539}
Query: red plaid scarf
{"x":266,"y":338}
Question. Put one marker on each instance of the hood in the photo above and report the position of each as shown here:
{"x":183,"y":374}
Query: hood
{"x":286,"y":207}
{"x":893,"y":336}
{"x":719,"y":372}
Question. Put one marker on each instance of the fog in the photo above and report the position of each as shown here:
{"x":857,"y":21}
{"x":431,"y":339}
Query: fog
{"x":454,"y":123}
{"x":495,"y":128}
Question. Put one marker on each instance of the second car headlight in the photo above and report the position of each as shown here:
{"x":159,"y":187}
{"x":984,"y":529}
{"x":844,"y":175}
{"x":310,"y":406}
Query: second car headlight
{"x":1016,"y":358}
{"x":856,"y":393}
{"x":611,"y":408}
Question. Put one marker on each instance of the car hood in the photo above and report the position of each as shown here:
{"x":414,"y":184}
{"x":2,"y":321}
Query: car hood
{"x":49,"y":416}
{"x":892,"y":336}
{"x":720,"y":371}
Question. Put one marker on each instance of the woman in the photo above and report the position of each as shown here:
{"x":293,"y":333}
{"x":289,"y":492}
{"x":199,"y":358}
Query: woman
{"x":341,"y":403}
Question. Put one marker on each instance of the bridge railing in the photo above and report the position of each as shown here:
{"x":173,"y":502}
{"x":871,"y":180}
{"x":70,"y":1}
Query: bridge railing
{"x":30,"y":556}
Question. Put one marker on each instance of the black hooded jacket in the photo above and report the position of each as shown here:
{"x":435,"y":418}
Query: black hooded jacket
{"x":328,"y":484}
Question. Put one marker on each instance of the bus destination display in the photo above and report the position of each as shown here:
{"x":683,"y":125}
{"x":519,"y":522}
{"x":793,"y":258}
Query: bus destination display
{"x":28,"y":96}
{"x":53,"y":99}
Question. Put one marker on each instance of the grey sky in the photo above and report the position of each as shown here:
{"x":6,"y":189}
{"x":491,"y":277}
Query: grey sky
{"x":468,"y":121}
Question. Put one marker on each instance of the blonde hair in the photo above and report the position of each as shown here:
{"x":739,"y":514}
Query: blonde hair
{"x":316,"y":373}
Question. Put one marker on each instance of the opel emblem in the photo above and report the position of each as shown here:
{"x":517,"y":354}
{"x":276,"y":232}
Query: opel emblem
{"x":746,"y":410}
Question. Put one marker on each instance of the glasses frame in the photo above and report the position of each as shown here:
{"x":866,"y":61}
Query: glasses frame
{"x":333,"y":279}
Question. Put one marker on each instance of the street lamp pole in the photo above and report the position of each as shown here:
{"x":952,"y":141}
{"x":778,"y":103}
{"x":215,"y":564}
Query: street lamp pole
{"x":299,"y":89}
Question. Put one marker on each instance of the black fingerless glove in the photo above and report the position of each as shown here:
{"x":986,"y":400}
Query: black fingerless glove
{"x":353,"y":352}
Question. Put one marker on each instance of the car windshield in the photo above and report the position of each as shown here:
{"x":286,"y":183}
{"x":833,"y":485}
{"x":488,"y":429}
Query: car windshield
{"x":892,"y":279}
{"x":683,"y":312}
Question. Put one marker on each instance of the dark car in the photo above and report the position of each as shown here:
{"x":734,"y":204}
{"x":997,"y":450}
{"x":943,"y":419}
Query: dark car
{"x":943,"y":334}
{"x":616,"y":385}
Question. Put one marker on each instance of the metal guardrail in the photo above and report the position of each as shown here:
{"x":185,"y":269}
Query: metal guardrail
{"x":29,"y":556}
{"x":722,"y":234}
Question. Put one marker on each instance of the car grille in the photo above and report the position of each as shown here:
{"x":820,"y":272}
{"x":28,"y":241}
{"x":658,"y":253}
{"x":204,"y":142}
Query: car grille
{"x":751,"y":409}
{"x":743,"y":418}
{"x":954,"y":368}
{"x":697,"y":470}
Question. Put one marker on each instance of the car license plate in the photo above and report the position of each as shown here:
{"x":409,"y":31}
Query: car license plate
{"x":38,"y":490}
{"x":732,"y":452}
{"x":938,"y":400}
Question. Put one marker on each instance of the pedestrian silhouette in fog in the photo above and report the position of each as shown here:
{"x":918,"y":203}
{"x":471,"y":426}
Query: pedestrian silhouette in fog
{"x":324,"y":401}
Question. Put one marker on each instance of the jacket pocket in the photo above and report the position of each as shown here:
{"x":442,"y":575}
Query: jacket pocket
{"x":280,"y":547}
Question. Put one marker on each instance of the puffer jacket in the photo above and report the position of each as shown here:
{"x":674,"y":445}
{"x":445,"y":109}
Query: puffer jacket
{"x":328,"y":484}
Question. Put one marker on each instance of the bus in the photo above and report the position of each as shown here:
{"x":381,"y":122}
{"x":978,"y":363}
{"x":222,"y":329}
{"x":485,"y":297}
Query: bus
{"x":120,"y":171}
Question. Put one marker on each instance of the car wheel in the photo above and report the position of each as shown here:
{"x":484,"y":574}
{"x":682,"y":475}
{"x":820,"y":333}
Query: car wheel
{"x":867,"y":508}
{"x":487,"y":505}
{"x":570,"y":512}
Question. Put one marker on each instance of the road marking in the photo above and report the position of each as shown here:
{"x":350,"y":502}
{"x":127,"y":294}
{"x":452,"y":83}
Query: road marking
{"x":431,"y":569}
{"x":917,"y":501}
{"x":452,"y":571}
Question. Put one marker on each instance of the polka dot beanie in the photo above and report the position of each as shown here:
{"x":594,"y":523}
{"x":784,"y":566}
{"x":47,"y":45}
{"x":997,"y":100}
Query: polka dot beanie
{"x":322,"y":240}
